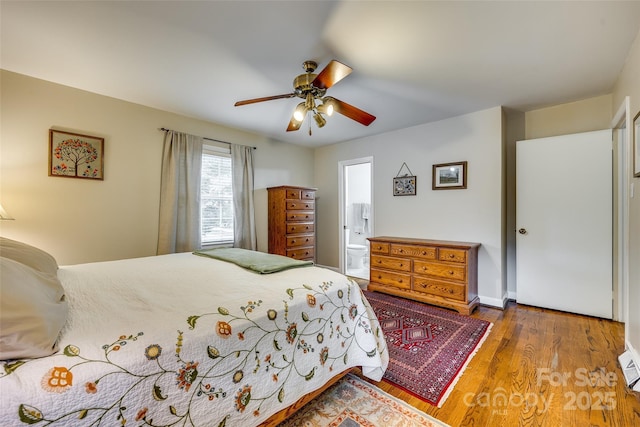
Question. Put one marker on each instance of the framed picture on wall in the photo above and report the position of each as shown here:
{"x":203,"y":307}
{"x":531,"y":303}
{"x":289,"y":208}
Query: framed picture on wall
{"x":636,"y":145}
{"x":73,"y":155}
{"x":404,"y":185}
{"x":450,"y":176}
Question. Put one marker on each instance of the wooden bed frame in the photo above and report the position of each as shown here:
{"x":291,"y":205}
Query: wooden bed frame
{"x":282,"y":415}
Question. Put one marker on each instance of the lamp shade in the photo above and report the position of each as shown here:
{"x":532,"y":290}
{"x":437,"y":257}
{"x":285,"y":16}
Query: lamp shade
{"x":4,"y":214}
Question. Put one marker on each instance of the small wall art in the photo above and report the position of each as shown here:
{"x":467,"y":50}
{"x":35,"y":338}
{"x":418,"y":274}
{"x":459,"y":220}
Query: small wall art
{"x":73,"y":155}
{"x":404,"y":185}
{"x":450,"y":176}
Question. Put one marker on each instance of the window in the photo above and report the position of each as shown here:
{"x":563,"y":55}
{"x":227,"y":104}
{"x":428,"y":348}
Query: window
{"x":216,"y":196}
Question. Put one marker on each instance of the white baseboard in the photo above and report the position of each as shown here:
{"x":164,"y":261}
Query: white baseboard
{"x":494,"y":302}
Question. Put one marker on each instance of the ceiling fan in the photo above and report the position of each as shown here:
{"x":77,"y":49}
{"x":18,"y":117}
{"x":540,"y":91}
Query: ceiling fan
{"x":312,"y":88}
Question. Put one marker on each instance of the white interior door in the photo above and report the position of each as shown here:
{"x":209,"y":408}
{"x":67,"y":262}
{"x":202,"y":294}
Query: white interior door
{"x":564,"y":223}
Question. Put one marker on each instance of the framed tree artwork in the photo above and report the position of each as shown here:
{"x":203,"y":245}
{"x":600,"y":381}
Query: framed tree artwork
{"x":73,"y":155}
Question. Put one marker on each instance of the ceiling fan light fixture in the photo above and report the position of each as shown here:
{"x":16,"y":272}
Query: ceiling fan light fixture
{"x":320,"y":121}
{"x":326,"y":108}
{"x":300,"y":112}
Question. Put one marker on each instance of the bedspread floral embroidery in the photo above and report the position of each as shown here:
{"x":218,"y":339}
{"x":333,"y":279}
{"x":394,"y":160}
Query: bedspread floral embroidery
{"x":289,"y":337}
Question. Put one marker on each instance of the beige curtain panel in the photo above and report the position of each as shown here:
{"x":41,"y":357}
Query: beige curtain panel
{"x":179,"y":222}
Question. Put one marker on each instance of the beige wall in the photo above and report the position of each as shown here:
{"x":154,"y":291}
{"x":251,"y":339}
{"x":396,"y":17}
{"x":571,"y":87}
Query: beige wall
{"x":474,"y":214}
{"x":574,"y":117}
{"x":628,"y":84}
{"x":80,"y":220}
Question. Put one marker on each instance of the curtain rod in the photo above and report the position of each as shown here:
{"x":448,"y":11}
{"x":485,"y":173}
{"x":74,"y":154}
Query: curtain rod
{"x":208,"y":139}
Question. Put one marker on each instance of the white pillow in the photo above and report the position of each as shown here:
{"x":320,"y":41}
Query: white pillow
{"x":33,"y":310}
{"x":28,"y":255}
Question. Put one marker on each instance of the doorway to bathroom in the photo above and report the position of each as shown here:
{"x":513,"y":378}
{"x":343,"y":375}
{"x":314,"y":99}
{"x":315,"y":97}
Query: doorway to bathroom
{"x":356,"y":215}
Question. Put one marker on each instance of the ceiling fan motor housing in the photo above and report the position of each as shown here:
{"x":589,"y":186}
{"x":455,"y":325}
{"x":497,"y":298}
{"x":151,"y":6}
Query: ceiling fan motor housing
{"x":302,"y":85}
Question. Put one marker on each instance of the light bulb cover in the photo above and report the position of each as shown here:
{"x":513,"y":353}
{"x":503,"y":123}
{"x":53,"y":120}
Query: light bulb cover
{"x":300,"y":112}
{"x":320,"y":121}
{"x":327,"y":106}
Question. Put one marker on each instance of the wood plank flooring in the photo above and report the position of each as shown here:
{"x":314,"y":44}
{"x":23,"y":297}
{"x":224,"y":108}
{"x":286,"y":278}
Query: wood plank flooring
{"x":540,"y":367}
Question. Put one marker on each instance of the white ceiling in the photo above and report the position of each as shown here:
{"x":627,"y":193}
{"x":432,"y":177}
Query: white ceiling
{"x":414,"y":62}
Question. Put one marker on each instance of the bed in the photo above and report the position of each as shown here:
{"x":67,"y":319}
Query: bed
{"x":189,"y":340}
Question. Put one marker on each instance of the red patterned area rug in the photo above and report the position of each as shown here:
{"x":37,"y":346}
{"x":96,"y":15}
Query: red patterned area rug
{"x":429,"y":347}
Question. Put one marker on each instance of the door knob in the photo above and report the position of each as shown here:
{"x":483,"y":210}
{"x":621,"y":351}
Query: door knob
{"x":522,"y":231}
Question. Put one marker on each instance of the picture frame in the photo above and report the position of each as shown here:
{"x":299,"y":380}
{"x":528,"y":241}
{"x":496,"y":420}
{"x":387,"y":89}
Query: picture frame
{"x":636,"y":145}
{"x":405,"y":185}
{"x":73,"y":155}
{"x":449,"y":176}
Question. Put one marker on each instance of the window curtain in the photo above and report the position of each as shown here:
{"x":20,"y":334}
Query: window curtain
{"x":179,"y":224}
{"x":244,"y":223}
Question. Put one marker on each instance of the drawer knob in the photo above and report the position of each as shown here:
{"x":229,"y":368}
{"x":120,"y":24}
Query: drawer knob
{"x":452,"y":256}
{"x":293,"y":241}
{"x":450,"y":271}
{"x":306,"y":240}
{"x":424,"y":269}
{"x":400,"y":281}
{"x":401,"y":265}
{"x":379,"y":248}
{"x":424,"y":252}
{"x":379,"y":276}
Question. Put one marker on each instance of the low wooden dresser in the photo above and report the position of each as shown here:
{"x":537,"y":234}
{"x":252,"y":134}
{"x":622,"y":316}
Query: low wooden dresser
{"x":292,"y":225}
{"x":437,"y":272}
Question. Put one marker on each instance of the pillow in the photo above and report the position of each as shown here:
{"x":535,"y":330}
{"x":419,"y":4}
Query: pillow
{"x":33,"y":311}
{"x":28,"y":255}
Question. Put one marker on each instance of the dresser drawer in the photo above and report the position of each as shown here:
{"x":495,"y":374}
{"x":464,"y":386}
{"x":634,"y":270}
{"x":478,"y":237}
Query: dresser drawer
{"x":438,"y":287}
{"x":300,"y":216}
{"x":391,"y":263}
{"x":307,"y":194}
{"x":397,"y":280}
{"x":379,"y":248}
{"x":300,"y":227}
{"x":300,"y":205}
{"x":453,"y":255}
{"x":302,"y":253}
{"x":293,"y":193}
{"x":424,"y":252}
{"x":455,"y":272}
{"x":300,"y":240}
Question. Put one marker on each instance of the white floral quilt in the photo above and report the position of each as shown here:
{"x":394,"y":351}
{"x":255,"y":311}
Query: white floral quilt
{"x":184,"y":340}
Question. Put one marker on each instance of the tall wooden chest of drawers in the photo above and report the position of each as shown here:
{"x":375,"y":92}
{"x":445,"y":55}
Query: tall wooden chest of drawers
{"x":292,"y":222}
{"x":436,"y":272}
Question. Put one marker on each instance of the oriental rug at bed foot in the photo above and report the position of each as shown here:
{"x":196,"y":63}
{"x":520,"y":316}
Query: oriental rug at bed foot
{"x":353,"y":402}
{"x":429,"y":347}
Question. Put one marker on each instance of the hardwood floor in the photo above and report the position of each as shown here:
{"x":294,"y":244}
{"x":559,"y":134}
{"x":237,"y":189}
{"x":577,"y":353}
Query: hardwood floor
{"x":540,"y":367}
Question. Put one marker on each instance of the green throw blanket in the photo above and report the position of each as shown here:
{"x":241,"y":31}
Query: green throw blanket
{"x":259,"y":262}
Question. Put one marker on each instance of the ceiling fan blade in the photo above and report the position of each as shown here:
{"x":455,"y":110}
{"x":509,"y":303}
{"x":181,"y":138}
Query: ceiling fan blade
{"x":352,"y":112}
{"x":331,"y":74}
{"x":266,"y":98}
